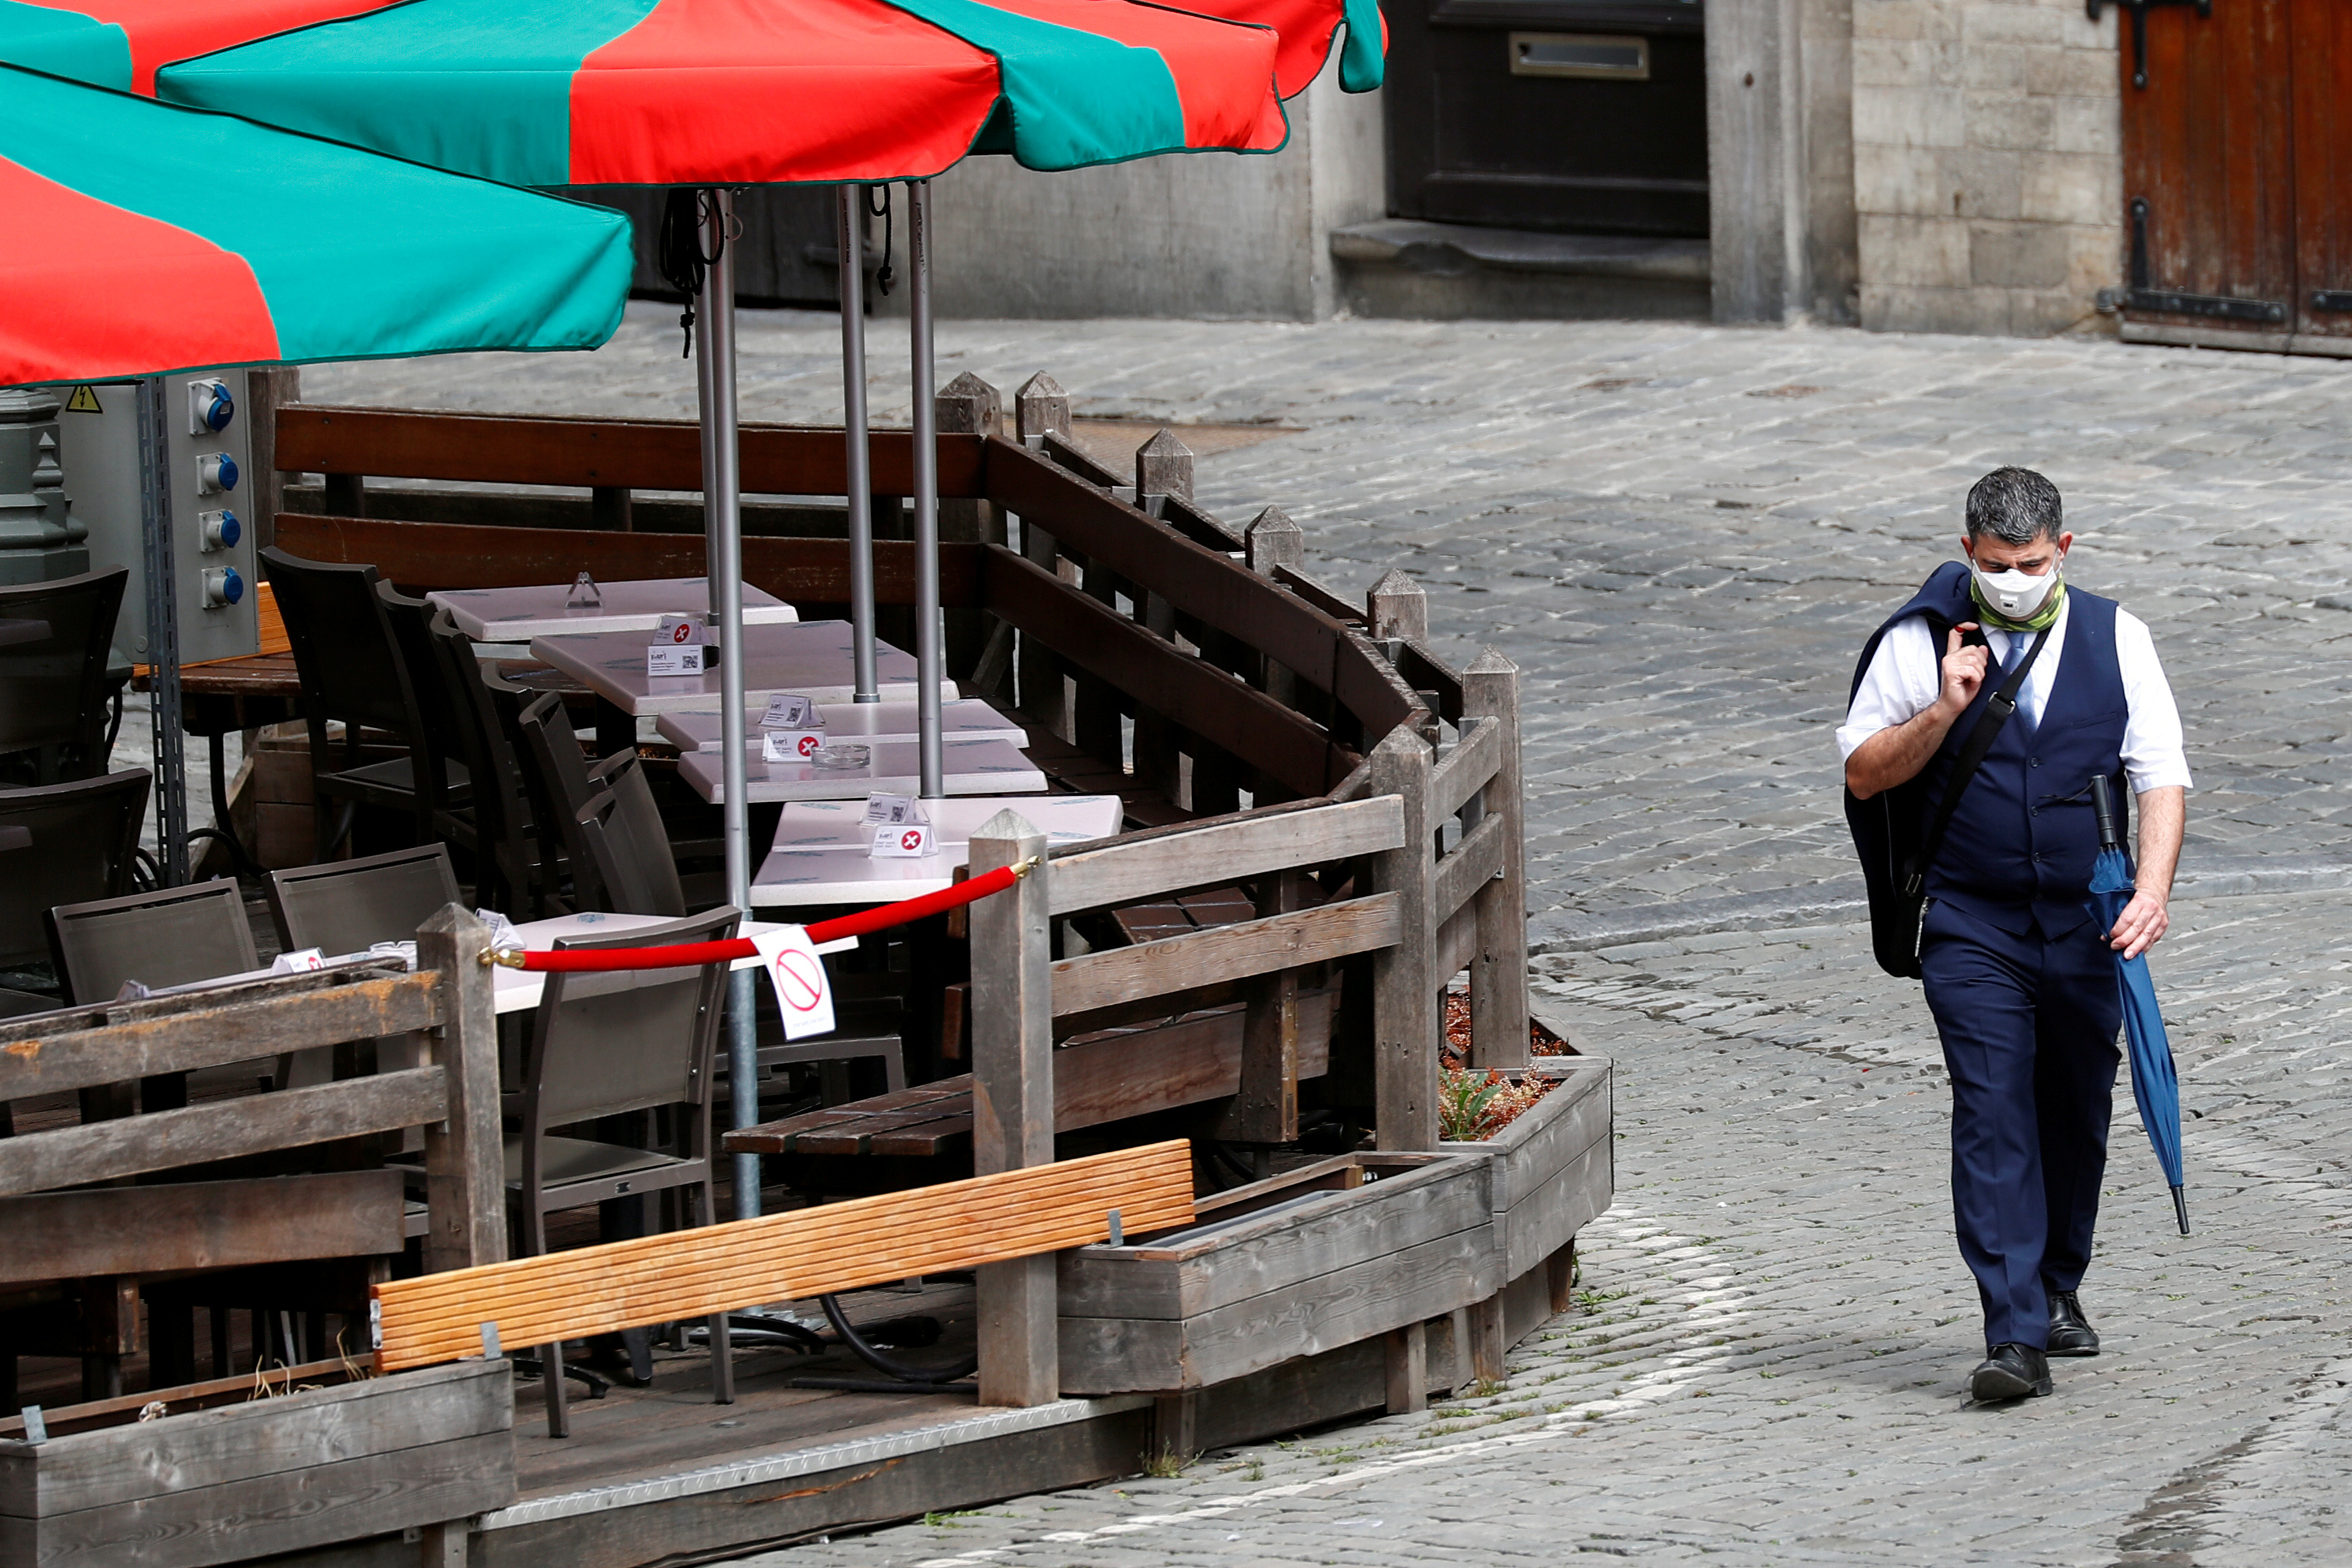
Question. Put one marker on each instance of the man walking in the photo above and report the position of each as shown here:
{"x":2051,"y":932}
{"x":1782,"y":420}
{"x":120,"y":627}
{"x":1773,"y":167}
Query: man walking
{"x":2021,"y":981}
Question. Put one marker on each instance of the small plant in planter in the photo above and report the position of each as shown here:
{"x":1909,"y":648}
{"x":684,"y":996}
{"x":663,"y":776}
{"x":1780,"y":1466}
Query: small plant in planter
{"x":1474,"y":1104}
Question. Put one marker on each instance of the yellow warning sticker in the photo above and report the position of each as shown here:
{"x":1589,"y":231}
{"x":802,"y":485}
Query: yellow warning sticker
{"x":83,"y":400}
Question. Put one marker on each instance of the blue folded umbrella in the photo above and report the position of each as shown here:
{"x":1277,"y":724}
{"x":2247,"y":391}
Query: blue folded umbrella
{"x":2155,"y":1084}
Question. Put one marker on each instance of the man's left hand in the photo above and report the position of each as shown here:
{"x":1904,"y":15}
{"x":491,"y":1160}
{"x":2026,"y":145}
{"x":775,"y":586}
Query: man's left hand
{"x":2141,"y":925}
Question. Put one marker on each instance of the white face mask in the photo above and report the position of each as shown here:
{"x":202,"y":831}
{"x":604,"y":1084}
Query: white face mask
{"x":2014,"y":593}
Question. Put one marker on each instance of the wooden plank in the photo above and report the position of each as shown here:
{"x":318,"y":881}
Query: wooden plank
{"x":643,"y":454}
{"x":1142,"y":866}
{"x":1468,"y":866}
{"x":320,"y":1505}
{"x":1324,"y":599}
{"x":433,"y":556}
{"x":1265,"y":1111}
{"x":222,"y":1130}
{"x":1013,"y":1100}
{"x":1197,"y":581}
{"x":1559,"y":1125}
{"x":809,"y":1252}
{"x":1372,"y":1296}
{"x":1465,"y":769}
{"x":465,"y":1154}
{"x":1206,"y":700}
{"x":1549,"y":1217}
{"x":199,"y":1225}
{"x":1405,"y":1018}
{"x":1498,"y":972}
{"x":114,"y":1042}
{"x":183,"y":1399}
{"x":269,"y":1437}
{"x":1456,"y":945}
{"x":1225,"y":952}
{"x":1277,"y":1249}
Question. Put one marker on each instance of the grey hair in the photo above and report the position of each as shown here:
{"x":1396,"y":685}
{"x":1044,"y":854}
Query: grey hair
{"x":2017,"y":505}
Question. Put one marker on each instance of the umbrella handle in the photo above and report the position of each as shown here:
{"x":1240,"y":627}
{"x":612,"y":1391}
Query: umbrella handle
{"x":2180,"y":1208}
{"x":2104,"y":804}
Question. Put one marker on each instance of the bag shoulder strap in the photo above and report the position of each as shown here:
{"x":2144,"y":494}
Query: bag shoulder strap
{"x":1997,"y":711}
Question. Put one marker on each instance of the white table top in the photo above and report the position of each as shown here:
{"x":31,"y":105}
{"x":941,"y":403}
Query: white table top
{"x":894,"y":767}
{"x":637,"y":605}
{"x":966,"y":719}
{"x":809,"y":659}
{"x":518,"y":990}
{"x":820,"y":856}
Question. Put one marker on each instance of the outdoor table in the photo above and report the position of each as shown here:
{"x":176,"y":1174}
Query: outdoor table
{"x":806,"y":659}
{"x":820,"y":856}
{"x":965,"y":719}
{"x":638,"y":605}
{"x":893,"y":767}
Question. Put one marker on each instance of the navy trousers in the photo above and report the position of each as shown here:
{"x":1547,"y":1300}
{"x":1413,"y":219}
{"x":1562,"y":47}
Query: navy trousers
{"x":2029,"y":1029}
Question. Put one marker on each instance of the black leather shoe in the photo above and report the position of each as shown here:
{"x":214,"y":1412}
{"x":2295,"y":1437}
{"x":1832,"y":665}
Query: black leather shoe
{"x":2069,"y":1332}
{"x":2010,"y":1371}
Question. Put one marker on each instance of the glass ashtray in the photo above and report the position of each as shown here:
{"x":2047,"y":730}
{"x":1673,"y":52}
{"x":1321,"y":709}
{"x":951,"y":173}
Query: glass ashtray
{"x":841,"y":754}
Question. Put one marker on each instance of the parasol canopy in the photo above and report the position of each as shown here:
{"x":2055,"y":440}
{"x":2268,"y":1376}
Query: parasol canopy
{"x":672,"y":92}
{"x":165,"y":238}
{"x":2156,"y":1083}
{"x":119,"y":43}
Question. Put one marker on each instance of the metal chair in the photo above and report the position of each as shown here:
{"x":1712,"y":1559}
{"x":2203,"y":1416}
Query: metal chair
{"x":621,"y":828}
{"x":513,"y":869}
{"x":353,"y":673}
{"x":168,"y":937}
{"x":54,"y":643}
{"x":412,"y":622}
{"x":612,"y":1045}
{"x":561,"y":783}
{"x":344,"y":906}
{"x":64,"y":843}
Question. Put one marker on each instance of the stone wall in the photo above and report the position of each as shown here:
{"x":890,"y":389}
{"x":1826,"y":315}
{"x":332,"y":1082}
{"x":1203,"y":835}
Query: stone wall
{"x":1988,"y":165}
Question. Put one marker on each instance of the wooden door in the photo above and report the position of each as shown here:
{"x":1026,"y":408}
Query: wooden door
{"x":1578,"y":116}
{"x":2237,"y":141}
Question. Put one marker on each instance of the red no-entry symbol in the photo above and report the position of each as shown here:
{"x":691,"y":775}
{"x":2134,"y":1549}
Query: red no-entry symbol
{"x":911,"y":839}
{"x":808,"y":745}
{"x":800,"y":981}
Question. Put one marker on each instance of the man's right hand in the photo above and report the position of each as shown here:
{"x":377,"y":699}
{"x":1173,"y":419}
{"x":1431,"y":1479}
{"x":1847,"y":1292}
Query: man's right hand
{"x":1964,"y":672}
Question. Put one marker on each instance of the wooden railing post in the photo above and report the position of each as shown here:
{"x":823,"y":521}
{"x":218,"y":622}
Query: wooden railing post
{"x":1012,"y":1103}
{"x":1498,"y":972}
{"x":968,"y":406}
{"x":1039,"y":409}
{"x":1267,"y":1109}
{"x":1163,"y":468}
{"x":1272,"y":540}
{"x":464,"y":1164}
{"x":1405,"y":1018}
{"x":1398,"y":609}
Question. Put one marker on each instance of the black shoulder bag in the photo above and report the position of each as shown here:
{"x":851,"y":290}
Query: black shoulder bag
{"x":1896,"y":856}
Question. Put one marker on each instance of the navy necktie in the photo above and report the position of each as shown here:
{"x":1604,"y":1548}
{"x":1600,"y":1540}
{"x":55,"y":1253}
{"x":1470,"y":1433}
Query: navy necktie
{"x":2018,"y":642}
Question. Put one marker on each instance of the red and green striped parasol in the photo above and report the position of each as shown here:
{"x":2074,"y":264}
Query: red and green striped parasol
{"x":757,"y":91}
{"x":119,"y":43}
{"x":146,"y":237}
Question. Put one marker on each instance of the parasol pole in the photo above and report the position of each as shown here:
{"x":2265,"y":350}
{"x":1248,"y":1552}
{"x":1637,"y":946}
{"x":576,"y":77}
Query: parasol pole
{"x":722,"y":519}
{"x":927,"y":489}
{"x":848,"y":229}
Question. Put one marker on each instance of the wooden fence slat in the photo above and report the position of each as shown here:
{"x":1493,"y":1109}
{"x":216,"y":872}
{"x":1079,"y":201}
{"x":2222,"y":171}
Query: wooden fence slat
{"x":430,"y":555}
{"x":1218,"y":853}
{"x":1499,"y":971}
{"x":1227,"y":952}
{"x":1266,"y":1108}
{"x":644,"y":454}
{"x":199,"y":1225}
{"x":1205,"y":701}
{"x":926,"y":1230}
{"x":465,"y":1157}
{"x":222,"y":1130}
{"x":117,"y":1042}
{"x":1195,"y":579}
{"x":1405,"y":1018}
{"x":1466,"y":768}
{"x":1470,"y":865}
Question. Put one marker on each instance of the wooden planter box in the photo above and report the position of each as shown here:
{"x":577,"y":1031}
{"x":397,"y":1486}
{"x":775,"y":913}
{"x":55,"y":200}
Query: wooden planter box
{"x":1555,"y":1166}
{"x":1404,"y":1237}
{"x":245,"y":1481}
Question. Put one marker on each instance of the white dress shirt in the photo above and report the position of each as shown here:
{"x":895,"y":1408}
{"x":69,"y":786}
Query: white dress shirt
{"x":1906,"y":675}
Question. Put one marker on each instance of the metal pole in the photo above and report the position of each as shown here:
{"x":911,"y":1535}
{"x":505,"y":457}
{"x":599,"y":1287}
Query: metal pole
{"x":928,"y":670}
{"x":162,"y":637}
{"x":849,"y":234}
{"x":722,"y":507}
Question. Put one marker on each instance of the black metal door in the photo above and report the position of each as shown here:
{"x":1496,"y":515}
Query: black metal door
{"x":785,"y":256}
{"x":1580,"y":116}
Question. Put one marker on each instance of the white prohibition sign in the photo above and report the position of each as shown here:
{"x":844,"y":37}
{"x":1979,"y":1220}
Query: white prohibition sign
{"x":803,"y":994}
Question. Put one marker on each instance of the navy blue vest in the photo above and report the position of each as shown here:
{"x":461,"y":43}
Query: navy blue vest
{"x":2020,"y":848}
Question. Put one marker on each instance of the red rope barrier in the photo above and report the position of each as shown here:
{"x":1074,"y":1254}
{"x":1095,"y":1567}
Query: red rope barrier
{"x":687,"y":955}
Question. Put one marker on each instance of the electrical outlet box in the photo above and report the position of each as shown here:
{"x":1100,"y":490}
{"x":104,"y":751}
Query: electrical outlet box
{"x":209,"y":466}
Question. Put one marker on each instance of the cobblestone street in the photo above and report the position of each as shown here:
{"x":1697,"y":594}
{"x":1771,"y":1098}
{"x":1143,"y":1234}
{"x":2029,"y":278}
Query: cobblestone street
{"x":1681,"y":535}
